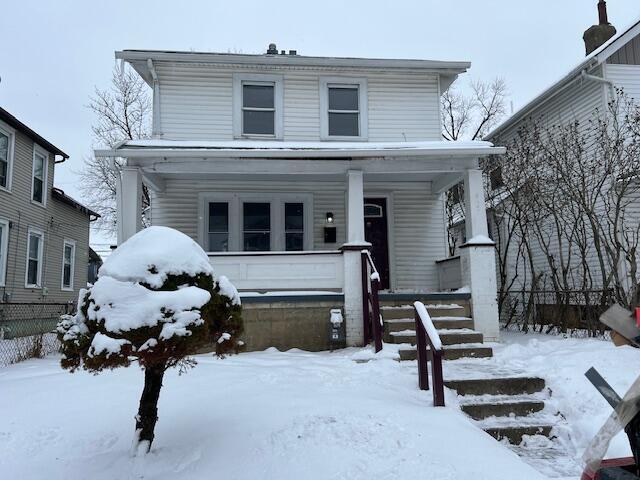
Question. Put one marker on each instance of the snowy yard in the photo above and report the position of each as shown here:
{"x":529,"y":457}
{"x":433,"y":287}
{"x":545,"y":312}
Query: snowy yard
{"x":292,"y":415}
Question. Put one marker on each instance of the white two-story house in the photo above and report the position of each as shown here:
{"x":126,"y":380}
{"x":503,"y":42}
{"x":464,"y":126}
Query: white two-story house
{"x":285,"y":167}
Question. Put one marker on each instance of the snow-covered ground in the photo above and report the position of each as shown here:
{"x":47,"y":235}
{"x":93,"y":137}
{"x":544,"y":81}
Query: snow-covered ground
{"x":266,"y":415}
{"x":562,"y":362}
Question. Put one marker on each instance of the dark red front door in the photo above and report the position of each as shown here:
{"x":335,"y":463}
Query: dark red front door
{"x":376,"y":233}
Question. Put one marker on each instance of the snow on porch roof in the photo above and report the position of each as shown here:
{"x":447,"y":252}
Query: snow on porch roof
{"x":256,"y":148}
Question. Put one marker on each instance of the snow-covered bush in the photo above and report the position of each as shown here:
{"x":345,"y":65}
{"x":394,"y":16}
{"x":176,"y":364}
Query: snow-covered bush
{"x":155,"y":302}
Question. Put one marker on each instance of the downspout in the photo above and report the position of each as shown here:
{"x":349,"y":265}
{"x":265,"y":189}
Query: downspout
{"x":156,"y":130}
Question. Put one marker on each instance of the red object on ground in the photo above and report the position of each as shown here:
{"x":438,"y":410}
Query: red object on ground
{"x":613,"y":462}
{"x":638,"y":316}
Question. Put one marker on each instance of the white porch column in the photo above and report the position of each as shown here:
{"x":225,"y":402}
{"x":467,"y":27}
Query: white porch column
{"x":478,"y":258}
{"x":129,"y":203}
{"x":352,"y":259}
{"x":355,"y":204}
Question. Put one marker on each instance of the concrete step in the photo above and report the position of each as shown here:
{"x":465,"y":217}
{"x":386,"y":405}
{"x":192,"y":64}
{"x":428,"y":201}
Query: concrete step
{"x":448,"y":337}
{"x":497,"y":386}
{"x":514,"y":433}
{"x":453,"y":352}
{"x":479,"y":411}
{"x":399,"y":324}
{"x":403,"y":312}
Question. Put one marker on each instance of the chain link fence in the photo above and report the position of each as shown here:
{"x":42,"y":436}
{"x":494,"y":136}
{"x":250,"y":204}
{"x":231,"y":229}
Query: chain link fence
{"x":27,"y":330}
{"x":574,"y":312}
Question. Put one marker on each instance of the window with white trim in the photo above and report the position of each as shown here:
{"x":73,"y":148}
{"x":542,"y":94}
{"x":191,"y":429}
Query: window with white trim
{"x":4,"y":246}
{"x":343,"y":108}
{"x":6,"y":157}
{"x":68,"y":264}
{"x":33,"y":274}
{"x":39,"y":176}
{"x":258,"y":105}
{"x":257,"y":222}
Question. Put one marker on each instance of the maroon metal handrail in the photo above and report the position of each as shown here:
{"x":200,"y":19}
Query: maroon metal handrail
{"x":371,"y":302}
{"x":427,"y":335}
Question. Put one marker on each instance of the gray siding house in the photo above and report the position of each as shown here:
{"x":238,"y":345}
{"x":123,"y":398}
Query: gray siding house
{"x":284,"y":167}
{"x":612,"y":62}
{"x":44,"y":234}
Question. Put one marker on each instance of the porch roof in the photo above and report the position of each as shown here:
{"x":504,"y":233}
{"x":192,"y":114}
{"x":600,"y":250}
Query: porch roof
{"x":282,"y":149}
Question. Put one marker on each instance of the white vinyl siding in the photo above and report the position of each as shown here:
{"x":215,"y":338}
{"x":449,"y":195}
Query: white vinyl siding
{"x":4,"y":243}
{"x":68,"y":264}
{"x":196,"y":103}
{"x":35,"y":247}
{"x":579,"y":102}
{"x":626,"y":77}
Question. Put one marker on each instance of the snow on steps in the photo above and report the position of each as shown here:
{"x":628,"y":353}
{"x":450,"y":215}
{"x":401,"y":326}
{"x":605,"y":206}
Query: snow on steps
{"x":508,"y":406}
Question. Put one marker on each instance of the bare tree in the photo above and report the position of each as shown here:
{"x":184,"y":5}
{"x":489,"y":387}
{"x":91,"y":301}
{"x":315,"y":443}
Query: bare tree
{"x":122,"y":112}
{"x":468,"y":116}
{"x":574,"y":191}
{"x":471,"y":116}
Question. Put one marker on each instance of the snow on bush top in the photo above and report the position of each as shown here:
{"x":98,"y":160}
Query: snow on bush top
{"x":154,"y":253}
{"x":127,"y":306}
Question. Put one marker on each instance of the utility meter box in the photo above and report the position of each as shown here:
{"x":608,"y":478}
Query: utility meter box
{"x":336,"y":328}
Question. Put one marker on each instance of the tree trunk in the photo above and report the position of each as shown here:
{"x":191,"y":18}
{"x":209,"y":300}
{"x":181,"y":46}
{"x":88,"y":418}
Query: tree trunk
{"x":148,"y":409}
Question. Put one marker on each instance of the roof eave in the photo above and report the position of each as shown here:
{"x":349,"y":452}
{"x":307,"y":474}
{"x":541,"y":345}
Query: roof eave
{"x":450,"y":67}
{"x":150,"y":152}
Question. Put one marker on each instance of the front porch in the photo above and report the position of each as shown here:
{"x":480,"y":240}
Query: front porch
{"x":285,"y":217}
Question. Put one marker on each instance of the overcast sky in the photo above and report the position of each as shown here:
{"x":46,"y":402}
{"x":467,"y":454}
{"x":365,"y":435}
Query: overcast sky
{"x":54,"y":53}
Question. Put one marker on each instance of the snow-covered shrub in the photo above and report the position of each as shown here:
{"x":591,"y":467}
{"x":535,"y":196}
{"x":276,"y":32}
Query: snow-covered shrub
{"x":155,"y":302}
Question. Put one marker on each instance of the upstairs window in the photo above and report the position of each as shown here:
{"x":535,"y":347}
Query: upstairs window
{"x":343,"y":105}
{"x":344,"y":111}
{"x":68,"y":264}
{"x":258,"y":106}
{"x":6,"y":157}
{"x":39,"y":177}
{"x":258,"y":109}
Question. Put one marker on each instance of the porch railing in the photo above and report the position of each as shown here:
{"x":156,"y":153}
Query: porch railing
{"x":427,"y":336}
{"x":370,"y":302}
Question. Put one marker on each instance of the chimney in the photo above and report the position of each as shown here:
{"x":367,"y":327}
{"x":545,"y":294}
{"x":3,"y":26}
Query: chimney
{"x":597,"y":35}
{"x":273,"y":50}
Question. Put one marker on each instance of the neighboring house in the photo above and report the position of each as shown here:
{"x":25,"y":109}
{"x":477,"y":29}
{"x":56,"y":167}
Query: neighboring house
{"x":612,"y":61}
{"x":44,"y":234}
{"x":284,"y":167}
{"x":93,"y":267}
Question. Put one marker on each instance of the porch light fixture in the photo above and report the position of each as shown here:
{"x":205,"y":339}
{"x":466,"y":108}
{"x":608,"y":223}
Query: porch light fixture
{"x":329,"y":220}
{"x":329,"y":229}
